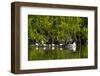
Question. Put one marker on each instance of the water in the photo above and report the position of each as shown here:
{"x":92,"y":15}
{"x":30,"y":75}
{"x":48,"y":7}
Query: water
{"x":52,"y":52}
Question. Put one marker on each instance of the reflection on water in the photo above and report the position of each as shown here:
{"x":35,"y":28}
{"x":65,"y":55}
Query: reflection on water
{"x":49,"y":52}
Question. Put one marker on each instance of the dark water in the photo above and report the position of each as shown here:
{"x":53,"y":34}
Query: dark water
{"x":56,"y":52}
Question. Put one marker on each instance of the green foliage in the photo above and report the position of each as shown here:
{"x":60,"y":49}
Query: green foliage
{"x":56,"y":29}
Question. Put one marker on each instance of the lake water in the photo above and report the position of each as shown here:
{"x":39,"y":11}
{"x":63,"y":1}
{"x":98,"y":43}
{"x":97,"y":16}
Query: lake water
{"x":56,"y":52}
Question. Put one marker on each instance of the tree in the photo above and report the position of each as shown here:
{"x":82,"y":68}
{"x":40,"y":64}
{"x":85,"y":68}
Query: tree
{"x":56,"y":29}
